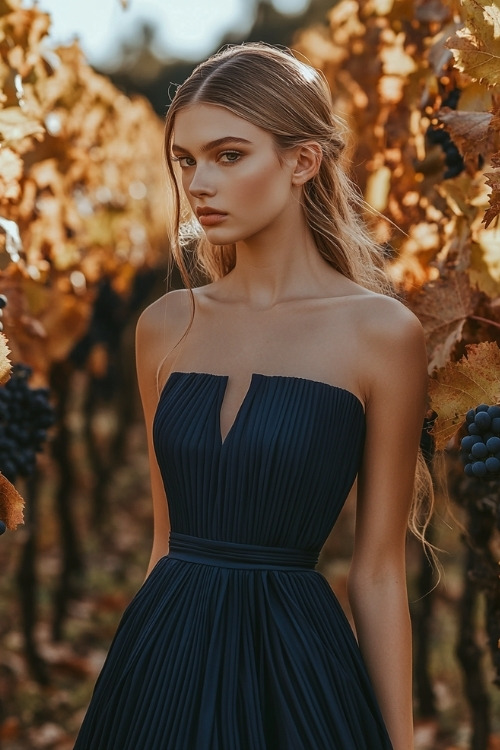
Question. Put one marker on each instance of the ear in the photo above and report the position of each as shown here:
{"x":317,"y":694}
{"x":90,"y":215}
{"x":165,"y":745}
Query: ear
{"x":307,"y":162}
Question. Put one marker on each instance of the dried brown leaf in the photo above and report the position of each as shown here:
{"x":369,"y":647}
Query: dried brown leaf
{"x":11,"y":504}
{"x":470,"y":131}
{"x":442,"y":307}
{"x":461,"y":386}
{"x":493,"y":181}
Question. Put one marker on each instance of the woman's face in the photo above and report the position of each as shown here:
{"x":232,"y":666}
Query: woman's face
{"x":231,"y":174}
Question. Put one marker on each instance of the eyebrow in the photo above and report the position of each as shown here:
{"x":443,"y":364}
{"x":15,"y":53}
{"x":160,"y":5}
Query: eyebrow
{"x":213,"y":144}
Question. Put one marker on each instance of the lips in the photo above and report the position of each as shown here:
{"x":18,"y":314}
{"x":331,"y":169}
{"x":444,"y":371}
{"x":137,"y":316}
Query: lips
{"x":207,"y":211}
{"x":208,"y":217}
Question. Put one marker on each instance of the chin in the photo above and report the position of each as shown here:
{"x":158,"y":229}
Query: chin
{"x":219,"y":237}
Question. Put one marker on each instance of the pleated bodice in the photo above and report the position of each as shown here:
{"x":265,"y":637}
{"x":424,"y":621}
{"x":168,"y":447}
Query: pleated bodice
{"x":283,"y":472}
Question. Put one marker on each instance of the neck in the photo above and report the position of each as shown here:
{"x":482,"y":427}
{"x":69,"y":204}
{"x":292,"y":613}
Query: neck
{"x":280,"y":264}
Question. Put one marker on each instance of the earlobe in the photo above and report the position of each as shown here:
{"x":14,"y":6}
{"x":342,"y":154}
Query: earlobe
{"x":307,"y":163}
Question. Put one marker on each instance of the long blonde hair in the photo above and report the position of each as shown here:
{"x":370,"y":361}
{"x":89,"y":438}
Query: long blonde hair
{"x":289,"y":99}
{"x":273,"y":90}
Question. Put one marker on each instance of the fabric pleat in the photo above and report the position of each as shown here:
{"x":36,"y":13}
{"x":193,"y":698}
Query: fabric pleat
{"x":235,"y":641}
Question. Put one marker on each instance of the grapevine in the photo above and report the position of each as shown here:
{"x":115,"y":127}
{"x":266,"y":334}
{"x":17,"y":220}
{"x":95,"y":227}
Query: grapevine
{"x":25,"y":416}
{"x":481,"y":447}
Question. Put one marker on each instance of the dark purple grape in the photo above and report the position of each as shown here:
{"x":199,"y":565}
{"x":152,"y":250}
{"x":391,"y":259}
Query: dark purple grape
{"x":469,"y":417}
{"x":46,"y":420}
{"x":493,"y":444}
{"x":468,"y":470}
{"x":468,"y":441}
{"x":482,"y":407}
{"x":455,"y":164}
{"x":452,"y":98}
{"x":495,"y":425}
{"x":479,"y":469}
{"x":473,"y":429}
{"x":479,"y":450}
{"x":25,"y":415}
{"x":9,"y":470}
{"x":482,"y":420}
{"x":492,"y":465}
{"x":494,"y":411}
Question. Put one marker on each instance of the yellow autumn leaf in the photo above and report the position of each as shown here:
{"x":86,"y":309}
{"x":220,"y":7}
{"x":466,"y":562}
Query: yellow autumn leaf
{"x":5,"y":365}
{"x":15,"y":125}
{"x":11,"y":171}
{"x":476,"y":47}
{"x":484,"y":270}
{"x":463,"y":385}
{"x":395,"y":60}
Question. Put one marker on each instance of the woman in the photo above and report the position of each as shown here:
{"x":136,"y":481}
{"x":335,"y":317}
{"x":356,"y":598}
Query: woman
{"x":265,"y":392}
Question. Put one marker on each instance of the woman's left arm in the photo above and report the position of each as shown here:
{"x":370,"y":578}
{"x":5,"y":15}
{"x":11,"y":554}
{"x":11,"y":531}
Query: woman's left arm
{"x":395,"y":390}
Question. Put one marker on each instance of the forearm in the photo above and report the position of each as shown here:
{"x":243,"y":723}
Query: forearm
{"x":381,"y":616}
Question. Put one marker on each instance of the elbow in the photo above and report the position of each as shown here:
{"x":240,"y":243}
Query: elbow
{"x":377,"y":581}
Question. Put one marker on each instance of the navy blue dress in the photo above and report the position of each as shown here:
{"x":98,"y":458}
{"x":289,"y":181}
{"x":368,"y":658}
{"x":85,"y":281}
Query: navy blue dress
{"x":235,"y":641}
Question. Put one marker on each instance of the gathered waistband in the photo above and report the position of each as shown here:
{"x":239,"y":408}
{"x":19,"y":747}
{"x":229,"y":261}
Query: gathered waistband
{"x":234,"y":555}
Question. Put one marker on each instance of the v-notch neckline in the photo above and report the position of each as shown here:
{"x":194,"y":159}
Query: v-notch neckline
{"x":225,"y":382}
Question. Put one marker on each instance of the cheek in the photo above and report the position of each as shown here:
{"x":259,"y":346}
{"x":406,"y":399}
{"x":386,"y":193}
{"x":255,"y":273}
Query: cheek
{"x":262,"y":185}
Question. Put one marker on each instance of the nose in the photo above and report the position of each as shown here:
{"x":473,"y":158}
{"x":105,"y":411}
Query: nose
{"x":201,"y":184}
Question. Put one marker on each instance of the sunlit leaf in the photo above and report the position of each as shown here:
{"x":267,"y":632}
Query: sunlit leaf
{"x":476,"y":47}
{"x":15,"y":125}
{"x":11,"y":171}
{"x":463,"y":385}
{"x":484,"y":268}
{"x":5,"y":364}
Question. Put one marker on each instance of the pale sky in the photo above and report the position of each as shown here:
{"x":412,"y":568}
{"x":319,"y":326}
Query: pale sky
{"x":188,"y":29}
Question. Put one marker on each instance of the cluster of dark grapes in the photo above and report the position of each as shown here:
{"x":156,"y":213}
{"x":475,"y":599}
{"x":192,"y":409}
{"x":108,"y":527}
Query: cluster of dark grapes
{"x":452,"y":158}
{"x":25,"y":416}
{"x":481,"y":447}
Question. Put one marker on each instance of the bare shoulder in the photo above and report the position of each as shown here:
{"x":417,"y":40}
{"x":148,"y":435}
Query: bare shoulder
{"x":387,"y":321}
{"x":159,"y":328}
{"x":391,"y":351}
{"x":164,"y":321}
